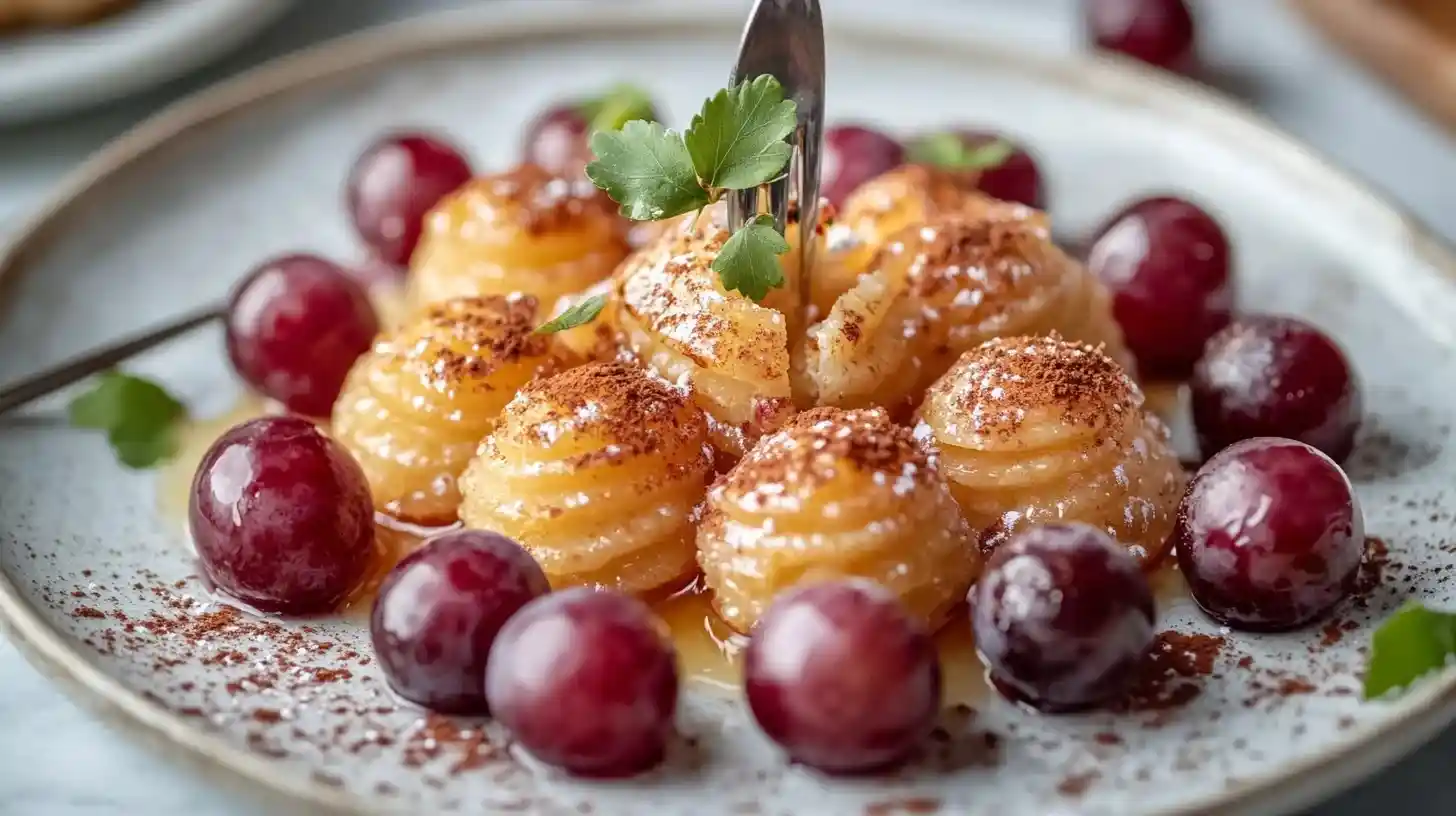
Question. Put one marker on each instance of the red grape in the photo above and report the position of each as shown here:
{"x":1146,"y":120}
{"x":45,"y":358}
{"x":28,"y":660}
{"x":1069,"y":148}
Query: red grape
{"x":1269,"y":535}
{"x":586,"y":680}
{"x":557,"y":140}
{"x":1276,"y":376}
{"x":1016,"y":179}
{"x":395,"y":183}
{"x":1158,"y":32}
{"x":295,"y":325}
{"x":1062,"y":617}
{"x":853,"y":155}
{"x":438,"y":613}
{"x":1167,"y":264}
{"x":281,"y":516}
{"x":842,"y":677}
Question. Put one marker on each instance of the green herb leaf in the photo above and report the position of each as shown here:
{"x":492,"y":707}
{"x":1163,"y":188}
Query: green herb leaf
{"x":749,"y":261}
{"x":737,"y":140}
{"x":140,"y":418}
{"x":952,"y":152}
{"x":621,"y":104}
{"x":1410,"y":644}
{"x":584,"y":312}
{"x":647,"y":170}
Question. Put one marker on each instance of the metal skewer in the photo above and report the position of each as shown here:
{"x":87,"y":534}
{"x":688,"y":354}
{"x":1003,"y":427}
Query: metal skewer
{"x":785,"y":39}
{"x":14,"y":395}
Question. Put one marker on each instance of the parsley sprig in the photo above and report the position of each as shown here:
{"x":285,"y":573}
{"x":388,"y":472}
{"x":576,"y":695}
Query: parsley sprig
{"x":953,"y":151}
{"x":140,"y":418}
{"x":578,"y":314}
{"x":1409,"y":645}
{"x":738,"y":141}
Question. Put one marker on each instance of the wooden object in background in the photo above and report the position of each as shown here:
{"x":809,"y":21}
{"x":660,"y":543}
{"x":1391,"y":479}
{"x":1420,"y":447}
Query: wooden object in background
{"x":1410,"y":43}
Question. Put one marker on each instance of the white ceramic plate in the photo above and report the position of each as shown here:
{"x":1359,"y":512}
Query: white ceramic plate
{"x":166,"y":218}
{"x":55,"y":71}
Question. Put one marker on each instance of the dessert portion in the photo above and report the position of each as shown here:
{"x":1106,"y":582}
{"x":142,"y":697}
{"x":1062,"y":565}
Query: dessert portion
{"x":835,"y":494}
{"x":596,"y":472}
{"x":525,"y":231}
{"x":939,"y":289}
{"x":910,"y":195}
{"x":415,"y":407}
{"x":1037,"y":430}
{"x":730,"y":354}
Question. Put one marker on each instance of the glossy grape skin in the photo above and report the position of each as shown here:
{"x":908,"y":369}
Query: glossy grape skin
{"x":1159,"y":32}
{"x":1062,"y":617}
{"x":439,"y":611}
{"x":557,"y":140}
{"x":1016,"y":179}
{"x":1276,"y":376}
{"x":1168,"y":265}
{"x":1270,"y":535}
{"x":842,"y":677}
{"x":294,"y":327}
{"x":394,"y":183}
{"x":586,"y":680}
{"x":281,"y":516}
{"x":854,"y":154}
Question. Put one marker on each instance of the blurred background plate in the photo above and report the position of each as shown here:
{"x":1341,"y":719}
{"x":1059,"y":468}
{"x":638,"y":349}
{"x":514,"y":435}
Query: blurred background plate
{"x":58,"y":70}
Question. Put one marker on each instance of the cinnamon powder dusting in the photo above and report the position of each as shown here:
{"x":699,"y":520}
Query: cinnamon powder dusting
{"x":464,"y":340}
{"x":1170,"y":675}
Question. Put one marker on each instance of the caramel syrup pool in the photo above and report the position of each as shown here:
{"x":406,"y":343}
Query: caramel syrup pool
{"x":709,"y":652}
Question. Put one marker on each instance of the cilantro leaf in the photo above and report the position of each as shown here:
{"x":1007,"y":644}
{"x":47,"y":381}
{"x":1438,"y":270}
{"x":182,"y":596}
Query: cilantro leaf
{"x":1410,"y":644}
{"x":647,"y":170}
{"x":737,"y":140}
{"x":621,"y":104}
{"x":584,"y":312}
{"x":749,"y":261}
{"x":953,"y":152}
{"x":140,"y":418}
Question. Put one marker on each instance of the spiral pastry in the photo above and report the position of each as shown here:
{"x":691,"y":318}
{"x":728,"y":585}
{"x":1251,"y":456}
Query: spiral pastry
{"x":939,"y":290}
{"x":524,"y":231}
{"x":596,"y":471}
{"x":882,"y":207}
{"x":835,"y":493}
{"x":415,"y":407}
{"x":1032,"y":430}
{"x":732,"y":354}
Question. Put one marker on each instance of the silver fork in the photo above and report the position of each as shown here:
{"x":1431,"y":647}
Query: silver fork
{"x":785,"y":39}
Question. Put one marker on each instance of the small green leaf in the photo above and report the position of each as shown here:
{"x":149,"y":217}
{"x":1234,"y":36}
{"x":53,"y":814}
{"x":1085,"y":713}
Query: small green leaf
{"x":952,"y":152}
{"x":621,"y":104}
{"x":737,"y":140}
{"x":1410,"y":644}
{"x":140,"y":418}
{"x":647,"y":170}
{"x":749,"y":261}
{"x":584,"y":312}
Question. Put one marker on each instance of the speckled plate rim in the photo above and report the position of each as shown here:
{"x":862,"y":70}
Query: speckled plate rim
{"x":1417,"y":717}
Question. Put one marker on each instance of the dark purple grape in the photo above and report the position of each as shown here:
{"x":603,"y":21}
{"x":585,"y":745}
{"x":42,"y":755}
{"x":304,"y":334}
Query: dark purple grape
{"x":586,"y":680}
{"x":1275,"y":376}
{"x":281,"y":516}
{"x":395,"y":183}
{"x":295,"y":325}
{"x":1167,"y":263}
{"x":438,"y":613}
{"x":1062,"y":617}
{"x":1016,"y":179}
{"x":557,"y":140}
{"x":1158,"y":32}
{"x":854,"y":154}
{"x":842,"y":677}
{"x":1269,"y":535}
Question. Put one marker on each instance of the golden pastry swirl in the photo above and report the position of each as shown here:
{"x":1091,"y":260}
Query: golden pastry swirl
{"x":1032,"y":430}
{"x":522,"y":231}
{"x":415,"y":407}
{"x":596,"y":471}
{"x":884,"y":206}
{"x":835,"y":493}
{"x":675,"y":317}
{"x":937,"y":291}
